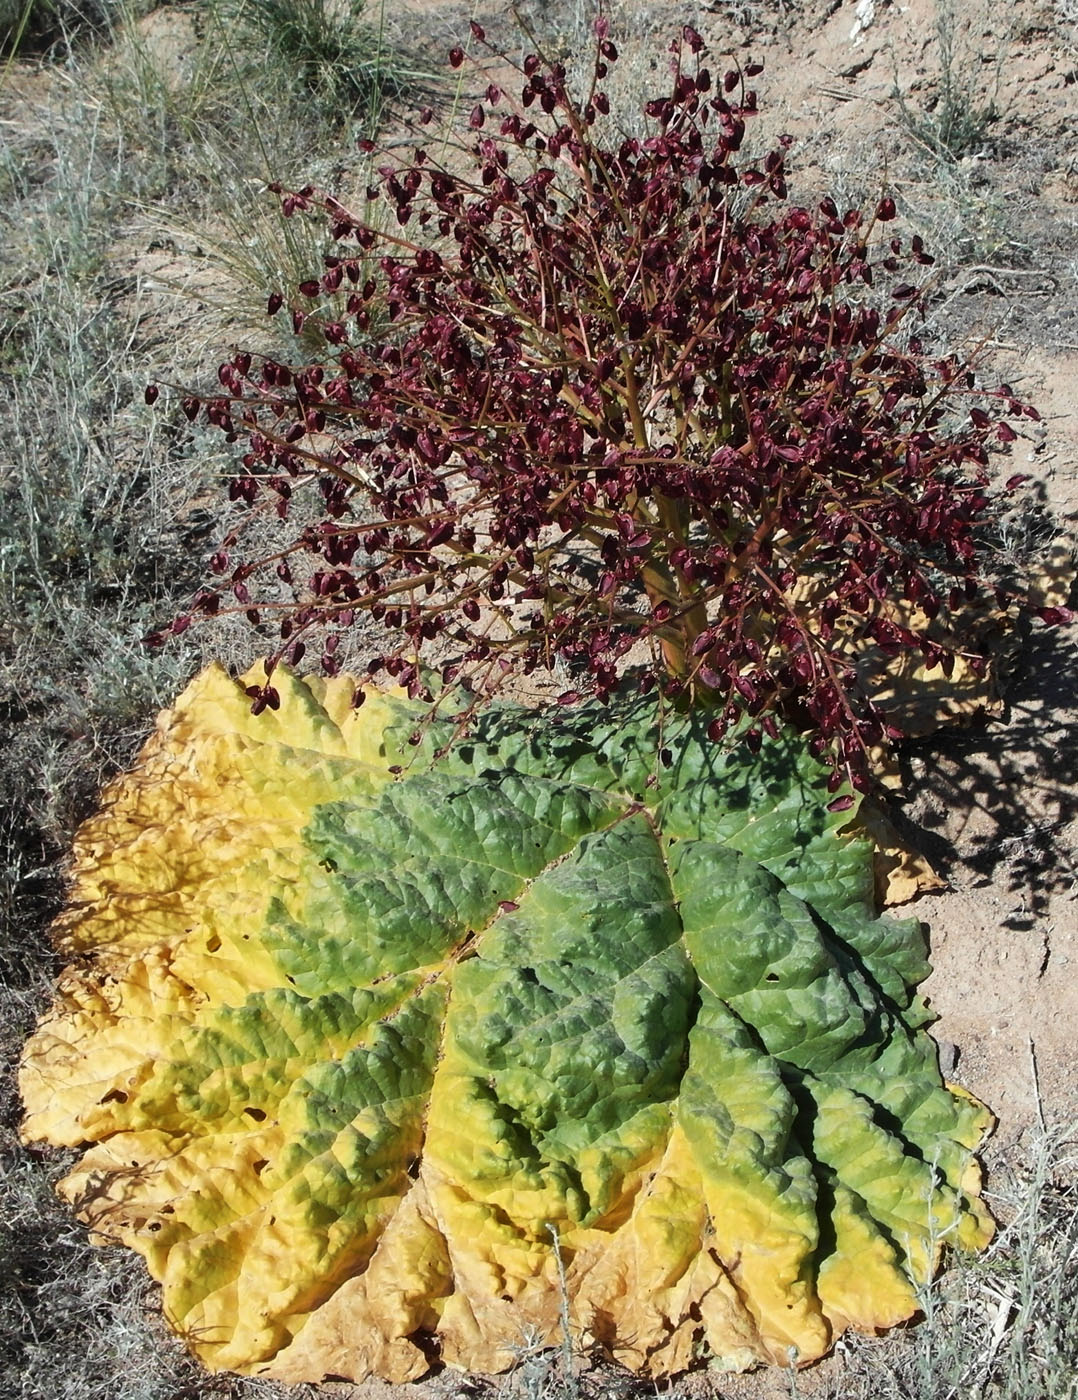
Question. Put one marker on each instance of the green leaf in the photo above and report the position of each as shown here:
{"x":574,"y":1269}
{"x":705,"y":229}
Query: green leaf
{"x":373,"y":1042}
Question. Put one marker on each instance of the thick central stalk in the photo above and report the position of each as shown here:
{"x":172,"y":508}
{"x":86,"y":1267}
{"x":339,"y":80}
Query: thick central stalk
{"x":663,"y":583}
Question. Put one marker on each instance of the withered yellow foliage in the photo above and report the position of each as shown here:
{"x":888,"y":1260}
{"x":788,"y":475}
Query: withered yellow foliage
{"x":369,"y":1044}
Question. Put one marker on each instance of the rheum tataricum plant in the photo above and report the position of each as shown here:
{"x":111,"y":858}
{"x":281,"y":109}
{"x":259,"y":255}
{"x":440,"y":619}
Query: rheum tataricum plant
{"x":627,"y":401}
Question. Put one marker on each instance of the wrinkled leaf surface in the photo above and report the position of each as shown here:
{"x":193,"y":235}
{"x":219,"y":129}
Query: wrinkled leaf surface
{"x":369,"y":1048}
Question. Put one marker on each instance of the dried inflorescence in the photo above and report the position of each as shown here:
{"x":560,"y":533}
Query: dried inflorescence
{"x":623,"y":392}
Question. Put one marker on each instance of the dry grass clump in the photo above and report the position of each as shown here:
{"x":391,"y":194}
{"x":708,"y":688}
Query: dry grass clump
{"x":961,"y":116}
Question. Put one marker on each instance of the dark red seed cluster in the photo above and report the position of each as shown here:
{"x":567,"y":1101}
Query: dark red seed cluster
{"x":599,"y":392}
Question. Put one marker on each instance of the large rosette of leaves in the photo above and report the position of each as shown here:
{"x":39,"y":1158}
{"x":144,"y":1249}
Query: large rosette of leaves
{"x":373,"y":1048}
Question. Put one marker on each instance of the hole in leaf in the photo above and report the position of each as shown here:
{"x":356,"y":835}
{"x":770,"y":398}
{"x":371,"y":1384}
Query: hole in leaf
{"x":114,"y":1096}
{"x":213,"y":943}
{"x":258,"y":1114}
{"x":771,"y":977}
{"x":260,"y":1166}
